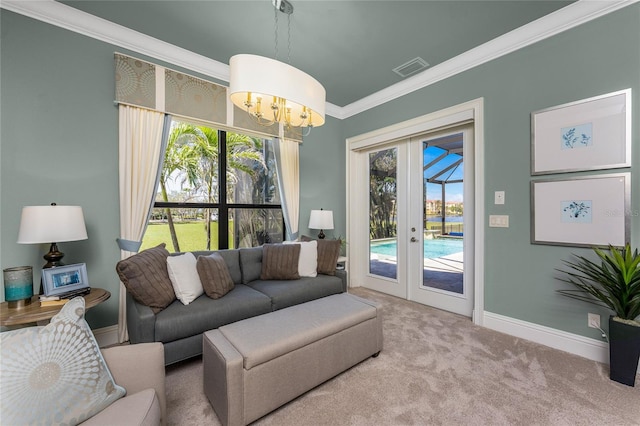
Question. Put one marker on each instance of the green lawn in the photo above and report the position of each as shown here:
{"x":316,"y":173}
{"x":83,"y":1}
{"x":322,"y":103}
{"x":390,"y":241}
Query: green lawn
{"x":191,"y":236}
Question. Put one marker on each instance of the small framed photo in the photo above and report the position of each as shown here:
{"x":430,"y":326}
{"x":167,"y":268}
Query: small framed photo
{"x":591,"y":134}
{"x":581,"y":212}
{"x":64,"y":279}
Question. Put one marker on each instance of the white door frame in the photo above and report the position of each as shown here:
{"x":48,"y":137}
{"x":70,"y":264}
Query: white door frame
{"x":472,"y":111}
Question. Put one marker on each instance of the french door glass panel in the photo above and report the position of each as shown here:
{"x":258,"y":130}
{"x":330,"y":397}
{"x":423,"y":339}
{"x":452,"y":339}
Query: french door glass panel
{"x":383,"y":227}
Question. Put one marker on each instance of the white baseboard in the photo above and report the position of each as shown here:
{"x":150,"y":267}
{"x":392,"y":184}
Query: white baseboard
{"x":573,"y":343}
{"x":106,"y":336}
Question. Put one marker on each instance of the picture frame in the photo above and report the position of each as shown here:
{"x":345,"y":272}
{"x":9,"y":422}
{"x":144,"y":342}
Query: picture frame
{"x":590,"y":134}
{"x":62,"y":280}
{"x":590,"y":211}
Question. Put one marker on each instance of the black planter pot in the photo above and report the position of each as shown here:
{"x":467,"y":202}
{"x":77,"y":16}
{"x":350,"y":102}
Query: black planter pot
{"x":624,"y":351}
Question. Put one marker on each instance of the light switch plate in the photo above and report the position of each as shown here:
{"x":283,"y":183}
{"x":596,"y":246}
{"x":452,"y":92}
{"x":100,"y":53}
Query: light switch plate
{"x":498,"y":221}
{"x":499,"y":197}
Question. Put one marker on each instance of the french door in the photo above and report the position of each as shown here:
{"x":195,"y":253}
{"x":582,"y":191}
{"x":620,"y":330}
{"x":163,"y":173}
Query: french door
{"x":412,"y":218}
{"x":441,"y":220}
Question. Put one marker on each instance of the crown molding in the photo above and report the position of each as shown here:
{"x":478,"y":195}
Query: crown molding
{"x":570,"y":16}
{"x":71,"y":19}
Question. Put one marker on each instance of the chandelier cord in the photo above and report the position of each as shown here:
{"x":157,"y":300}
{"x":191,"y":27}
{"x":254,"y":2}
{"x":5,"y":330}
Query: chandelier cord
{"x":275,"y":33}
{"x":289,"y":39}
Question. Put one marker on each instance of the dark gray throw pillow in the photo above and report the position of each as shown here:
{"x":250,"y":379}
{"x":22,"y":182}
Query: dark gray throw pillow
{"x":280,"y":262}
{"x":214,"y":275}
{"x":146,"y":277}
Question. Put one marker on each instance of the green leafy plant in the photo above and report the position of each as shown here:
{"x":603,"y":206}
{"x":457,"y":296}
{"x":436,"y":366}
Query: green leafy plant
{"x":614,"y":283}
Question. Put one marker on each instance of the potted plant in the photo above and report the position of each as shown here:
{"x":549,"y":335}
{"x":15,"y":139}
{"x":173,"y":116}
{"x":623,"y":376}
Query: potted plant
{"x":615,"y":284}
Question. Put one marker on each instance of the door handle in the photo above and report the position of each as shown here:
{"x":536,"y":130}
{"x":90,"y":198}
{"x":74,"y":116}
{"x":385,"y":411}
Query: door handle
{"x":414,"y":240}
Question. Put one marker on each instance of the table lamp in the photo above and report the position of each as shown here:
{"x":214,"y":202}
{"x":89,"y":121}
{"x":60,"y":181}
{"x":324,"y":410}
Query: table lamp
{"x":321,"y":219}
{"x":51,"y":224}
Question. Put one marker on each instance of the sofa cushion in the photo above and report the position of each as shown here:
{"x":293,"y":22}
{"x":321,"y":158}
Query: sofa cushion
{"x":58,"y":367}
{"x":214,"y":275}
{"x":146,"y":277}
{"x":293,"y":292}
{"x":184,"y":277}
{"x":308,"y":262}
{"x":178,"y":321}
{"x":232,"y":259}
{"x":280,"y":262}
{"x":250,"y":263}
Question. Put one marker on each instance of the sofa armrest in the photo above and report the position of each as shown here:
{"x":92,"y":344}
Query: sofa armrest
{"x":342,"y":274}
{"x":139,"y":367}
{"x":141,"y":322}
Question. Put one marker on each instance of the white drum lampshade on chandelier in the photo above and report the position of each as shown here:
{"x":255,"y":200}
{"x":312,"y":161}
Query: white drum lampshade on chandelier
{"x":274,"y":92}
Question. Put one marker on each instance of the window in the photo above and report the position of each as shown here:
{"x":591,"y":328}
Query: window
{"x":218,"y":189}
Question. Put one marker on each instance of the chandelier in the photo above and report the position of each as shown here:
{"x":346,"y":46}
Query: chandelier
{"x":271,"y":91}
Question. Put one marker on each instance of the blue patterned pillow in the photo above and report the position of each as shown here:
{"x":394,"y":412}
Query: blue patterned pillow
{"x":54,"y":374}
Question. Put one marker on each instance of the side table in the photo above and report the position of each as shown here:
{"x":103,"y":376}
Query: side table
{"x":343,"y":264}
{"x":33,"y":312}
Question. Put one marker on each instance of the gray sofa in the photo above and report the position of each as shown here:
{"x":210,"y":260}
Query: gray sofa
{"x":180,"y":327}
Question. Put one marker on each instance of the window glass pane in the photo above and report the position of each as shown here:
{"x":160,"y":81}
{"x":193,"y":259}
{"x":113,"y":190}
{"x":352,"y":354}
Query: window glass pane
{"x":190,"y":170}
{"x":189,"y":200}
{"x":251,"y":171}
{"x":182,"y":229}
{"x":254,"y":227}
{"x":383,"y":242}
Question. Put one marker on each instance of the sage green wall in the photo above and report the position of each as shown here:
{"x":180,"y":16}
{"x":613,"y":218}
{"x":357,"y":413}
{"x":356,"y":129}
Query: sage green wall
{"x":59,"y":142}
{"x":595,"y":58}
{"x":59,"y":134}
{"x":322,"y":177}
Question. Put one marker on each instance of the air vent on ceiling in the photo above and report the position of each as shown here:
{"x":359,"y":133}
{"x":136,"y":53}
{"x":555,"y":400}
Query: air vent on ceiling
{"x":413,"y":66}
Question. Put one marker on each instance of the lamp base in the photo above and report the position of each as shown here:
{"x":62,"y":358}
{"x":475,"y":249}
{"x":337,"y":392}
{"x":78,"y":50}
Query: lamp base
{"x":321,"y":235}
{"x":54,"y":257}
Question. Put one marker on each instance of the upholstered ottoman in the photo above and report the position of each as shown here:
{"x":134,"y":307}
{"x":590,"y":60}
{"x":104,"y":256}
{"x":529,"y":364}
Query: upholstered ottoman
{"x":254,"y":366}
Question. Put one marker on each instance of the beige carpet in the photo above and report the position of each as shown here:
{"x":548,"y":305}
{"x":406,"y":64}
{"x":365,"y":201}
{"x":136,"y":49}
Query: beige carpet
{"x":438,"y":368}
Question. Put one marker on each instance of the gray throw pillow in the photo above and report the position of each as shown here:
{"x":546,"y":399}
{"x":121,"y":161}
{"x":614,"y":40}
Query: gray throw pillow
{"x":146,"y":277}
{"x":280,"y":262}
{"x":214,"y":275}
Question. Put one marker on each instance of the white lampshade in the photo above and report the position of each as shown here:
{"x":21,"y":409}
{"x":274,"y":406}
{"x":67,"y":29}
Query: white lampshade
{"x":321,"y":219}
{"x":51,"y":224}
{"x":253,"y":76}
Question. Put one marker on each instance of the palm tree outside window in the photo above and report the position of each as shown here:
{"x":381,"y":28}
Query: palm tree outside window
{"x":218,"y":189}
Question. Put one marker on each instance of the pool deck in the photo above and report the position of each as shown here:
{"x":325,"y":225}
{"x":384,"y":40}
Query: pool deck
{"x":450,"y":263}
{"x":444,"y":273}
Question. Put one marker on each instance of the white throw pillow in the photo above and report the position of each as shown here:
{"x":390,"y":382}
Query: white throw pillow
{"x":54,"y":374}
{"x":184,"y":277}
{"x":308,"y":261}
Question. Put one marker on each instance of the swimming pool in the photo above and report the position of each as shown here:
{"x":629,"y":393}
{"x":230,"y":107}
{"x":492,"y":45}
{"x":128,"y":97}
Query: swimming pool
{"x":432,"y":248}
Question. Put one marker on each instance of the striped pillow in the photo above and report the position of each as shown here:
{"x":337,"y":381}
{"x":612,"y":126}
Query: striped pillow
{"x":146,"y":277}
{"x":280,"y":262}
{"x":214,"y":275}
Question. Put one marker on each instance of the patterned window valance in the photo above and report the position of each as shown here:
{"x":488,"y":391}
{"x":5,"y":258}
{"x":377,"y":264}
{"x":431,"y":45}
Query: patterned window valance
{"x":152,"y":86}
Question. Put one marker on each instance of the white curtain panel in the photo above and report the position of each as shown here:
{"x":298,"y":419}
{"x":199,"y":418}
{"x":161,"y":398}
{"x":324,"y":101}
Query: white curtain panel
{"x":140,"y":154}
{"x":288,"y":166}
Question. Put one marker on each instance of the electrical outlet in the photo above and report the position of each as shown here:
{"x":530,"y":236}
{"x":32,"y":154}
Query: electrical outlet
{"x":593,"y":320}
